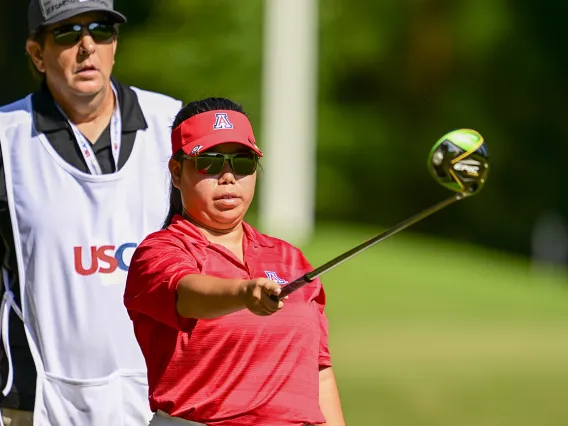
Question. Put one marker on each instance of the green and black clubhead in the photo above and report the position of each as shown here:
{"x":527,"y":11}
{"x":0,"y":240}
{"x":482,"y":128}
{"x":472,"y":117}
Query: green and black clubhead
{"x":459,"y":161}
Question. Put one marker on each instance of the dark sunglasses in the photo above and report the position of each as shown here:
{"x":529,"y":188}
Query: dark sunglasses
{"x":211,"y":163}
{"x":70,"y":34}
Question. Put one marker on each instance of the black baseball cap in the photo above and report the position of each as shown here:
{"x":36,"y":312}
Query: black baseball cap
{"x":47,"y":12}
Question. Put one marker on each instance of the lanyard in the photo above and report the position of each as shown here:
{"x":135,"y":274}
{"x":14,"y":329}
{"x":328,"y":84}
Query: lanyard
{"x":86,"y":147}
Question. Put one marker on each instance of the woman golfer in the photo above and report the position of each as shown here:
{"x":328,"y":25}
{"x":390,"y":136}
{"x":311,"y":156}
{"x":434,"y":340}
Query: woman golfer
{"x":219,"y":350}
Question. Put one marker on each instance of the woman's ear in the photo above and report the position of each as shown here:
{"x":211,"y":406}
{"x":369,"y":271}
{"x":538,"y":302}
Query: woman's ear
{"x":175,"y":172}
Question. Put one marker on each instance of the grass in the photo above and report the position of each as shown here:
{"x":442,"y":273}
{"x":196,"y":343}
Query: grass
{"x":430,"y":332}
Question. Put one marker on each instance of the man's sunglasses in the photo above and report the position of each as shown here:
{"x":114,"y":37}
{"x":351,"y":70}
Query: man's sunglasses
{"x":70,"y":34}
{"x":212,"y":163}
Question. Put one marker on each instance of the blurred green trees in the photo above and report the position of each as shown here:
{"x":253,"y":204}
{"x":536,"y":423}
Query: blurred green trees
{"x":394,"y":77}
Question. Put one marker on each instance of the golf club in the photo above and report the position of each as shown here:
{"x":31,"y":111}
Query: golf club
{"x":458,"y":161}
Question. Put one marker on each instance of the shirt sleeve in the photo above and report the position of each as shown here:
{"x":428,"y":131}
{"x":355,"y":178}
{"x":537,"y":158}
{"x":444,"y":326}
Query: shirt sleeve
{"x":7,"y":245}
{"x":157,"y":266}
{"x":324,"y":354}
{"x":324,"y":358}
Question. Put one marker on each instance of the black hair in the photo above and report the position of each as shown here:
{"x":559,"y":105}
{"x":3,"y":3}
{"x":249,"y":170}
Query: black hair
{"x":188,"y":111}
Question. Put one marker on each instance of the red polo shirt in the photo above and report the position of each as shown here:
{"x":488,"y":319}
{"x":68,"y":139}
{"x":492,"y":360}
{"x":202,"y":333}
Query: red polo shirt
{"x":239,"y":369}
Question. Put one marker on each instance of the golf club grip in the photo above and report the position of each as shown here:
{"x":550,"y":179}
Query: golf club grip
{"x":293,"y":286}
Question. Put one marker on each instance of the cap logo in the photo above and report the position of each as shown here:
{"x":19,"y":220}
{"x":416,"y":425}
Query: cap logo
{"x":222,"y":122}
{"x":53,"y":7}
{"x":196,"y":150}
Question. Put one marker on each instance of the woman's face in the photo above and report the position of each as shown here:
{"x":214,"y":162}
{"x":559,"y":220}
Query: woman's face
{"x":218,"y":201}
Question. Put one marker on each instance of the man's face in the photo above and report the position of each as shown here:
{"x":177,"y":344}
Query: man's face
{"x":80,"y":68}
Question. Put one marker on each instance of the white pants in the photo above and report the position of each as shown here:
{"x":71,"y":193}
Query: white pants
{"x":162,"y":418}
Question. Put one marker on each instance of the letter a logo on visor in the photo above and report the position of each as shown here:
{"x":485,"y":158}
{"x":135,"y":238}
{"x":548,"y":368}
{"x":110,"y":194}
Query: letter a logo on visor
{"x":222,"y":122}
{"x":205,"y":130}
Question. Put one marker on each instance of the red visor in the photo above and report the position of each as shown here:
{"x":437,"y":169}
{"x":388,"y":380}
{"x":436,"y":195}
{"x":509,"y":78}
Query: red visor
{"x":211,"y":128}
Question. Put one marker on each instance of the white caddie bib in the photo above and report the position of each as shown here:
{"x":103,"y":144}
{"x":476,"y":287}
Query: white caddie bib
{"x":74,"y":235}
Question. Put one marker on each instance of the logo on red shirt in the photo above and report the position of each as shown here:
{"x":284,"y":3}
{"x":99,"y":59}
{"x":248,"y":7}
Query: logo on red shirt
{"x":274,"y":277}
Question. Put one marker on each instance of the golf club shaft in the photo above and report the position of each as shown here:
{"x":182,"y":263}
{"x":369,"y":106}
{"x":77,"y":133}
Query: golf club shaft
{"x":310,"y":276}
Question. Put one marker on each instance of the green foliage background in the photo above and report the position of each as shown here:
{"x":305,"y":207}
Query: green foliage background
{"x":394,"y":76}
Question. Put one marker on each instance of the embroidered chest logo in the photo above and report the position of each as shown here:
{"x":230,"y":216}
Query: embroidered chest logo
{"x":222,"y":122}
{"x":274,"y":277}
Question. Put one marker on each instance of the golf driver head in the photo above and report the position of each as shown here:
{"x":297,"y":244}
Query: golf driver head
{"x":459,"y":161}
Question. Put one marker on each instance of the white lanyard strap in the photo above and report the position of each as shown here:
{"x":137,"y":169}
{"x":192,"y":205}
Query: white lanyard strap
{"x":86,"y":147}
{"x":8,"y":303}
